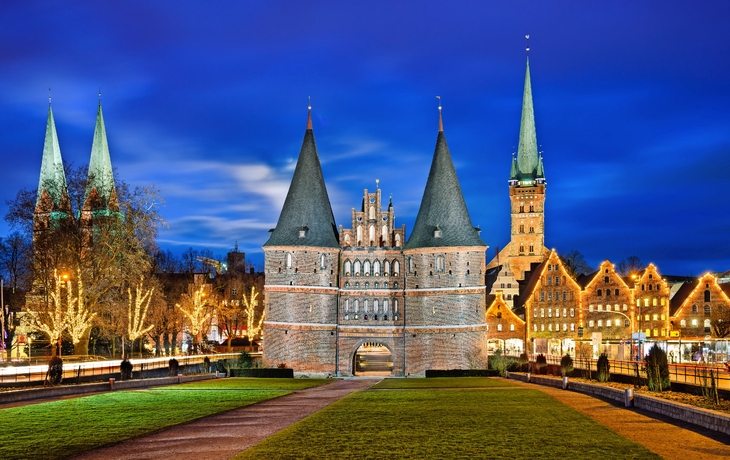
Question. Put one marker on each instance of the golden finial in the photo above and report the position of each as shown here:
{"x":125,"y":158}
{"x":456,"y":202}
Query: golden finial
{"x":527,"y":44}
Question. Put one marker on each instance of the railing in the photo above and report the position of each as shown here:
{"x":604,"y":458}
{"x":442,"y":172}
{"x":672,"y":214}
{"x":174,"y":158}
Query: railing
{"x":689,"y":373}
{"x":102,"y":368}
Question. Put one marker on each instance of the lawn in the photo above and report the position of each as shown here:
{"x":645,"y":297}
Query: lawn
{"x":64,"y":428}
{"x":447,"y":423}
{"x":441,"y":382}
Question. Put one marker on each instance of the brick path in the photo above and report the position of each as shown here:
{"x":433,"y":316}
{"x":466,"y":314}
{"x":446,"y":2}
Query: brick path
{"x":224,"y":435}
{"x":664,"y":436}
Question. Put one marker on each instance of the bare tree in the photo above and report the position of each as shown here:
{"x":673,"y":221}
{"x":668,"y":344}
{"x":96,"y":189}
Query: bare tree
{"x":575,"y":263}
{"x":15,"y":255}
{"x":630,"y":266}
{"x":720,"y":321}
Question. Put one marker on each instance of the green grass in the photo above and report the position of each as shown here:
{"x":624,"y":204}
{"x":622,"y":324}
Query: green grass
{"x":519,"y":423}
{"x":64,"y":428}
{"x":442,"y":382}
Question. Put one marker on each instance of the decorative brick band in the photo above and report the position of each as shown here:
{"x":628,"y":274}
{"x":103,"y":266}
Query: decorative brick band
{"x":317,"y":289}
{"x":452,"y":290}
{"x":300,"y":326}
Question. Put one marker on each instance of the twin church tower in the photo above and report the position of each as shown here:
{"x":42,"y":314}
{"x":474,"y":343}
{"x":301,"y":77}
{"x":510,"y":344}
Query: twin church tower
{"x":332,"y":292}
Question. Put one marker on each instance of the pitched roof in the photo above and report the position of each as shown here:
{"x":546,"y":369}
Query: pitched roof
{"x":52,"y":178}
{"x":681,"y":295}
{"x":101,"y":175}
{"x":307,"y":206}
{"x":443,"y":219}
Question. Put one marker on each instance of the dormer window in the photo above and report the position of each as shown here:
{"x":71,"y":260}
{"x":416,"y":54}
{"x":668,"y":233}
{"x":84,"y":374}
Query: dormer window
{"x":303,"y":231}
{"x":437,"y":233}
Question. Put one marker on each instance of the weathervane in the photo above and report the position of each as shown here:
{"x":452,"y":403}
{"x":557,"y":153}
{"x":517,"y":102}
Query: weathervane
{"x":527,"y":44}
{"x":309,"y":106}
{"x":377,"y":183}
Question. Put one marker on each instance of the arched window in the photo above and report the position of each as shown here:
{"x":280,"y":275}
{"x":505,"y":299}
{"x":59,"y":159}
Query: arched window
{"x":357,"y":268}
{"x":395,"y":306}
{"x":511,"y":327}
{"x":371,"y":234}
{"x":376,"y":268}
{"x":386,"y":268}
{"x":375,"y":305}
{"x":707,"y":295}
{"x":359,"y":235}
{"x":694,"y":309}
{"x":347,"y":305}
{"x":384,"y":235}
{"x":440,"y":263}
{"x":654,"y":302}
{"x":288,"y":260}
{"x":356,"y":305}
{"x":707,"y":326}
{"x":365,"y":305}
{"x":347,"y":239}
{"x":323,"y":261}
{"x":599,"y":293}
{"x":397,"y":240}
{"x":366,"y":268}
{"x":396,"y":267}
{"x":385,"y":305}
{"x":348,"y":265}
{"x":371,"y":214}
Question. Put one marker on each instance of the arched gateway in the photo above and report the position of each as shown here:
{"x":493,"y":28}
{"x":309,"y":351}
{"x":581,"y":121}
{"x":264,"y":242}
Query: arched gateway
{"x":372,"y":359}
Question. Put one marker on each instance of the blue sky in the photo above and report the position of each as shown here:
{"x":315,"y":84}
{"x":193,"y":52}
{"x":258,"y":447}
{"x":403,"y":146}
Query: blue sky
{"x":207,"y":101}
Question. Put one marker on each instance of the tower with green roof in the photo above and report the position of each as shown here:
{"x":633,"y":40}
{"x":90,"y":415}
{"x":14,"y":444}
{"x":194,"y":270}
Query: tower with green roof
{"x":100,"y":196}
{"x":527,"y":204}
{"x":52,"y":202}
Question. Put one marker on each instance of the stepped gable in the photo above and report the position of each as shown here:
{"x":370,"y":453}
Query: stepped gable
{"x":101,"y":175}
{"x":306,"y":218}
{"x":443,"y":219}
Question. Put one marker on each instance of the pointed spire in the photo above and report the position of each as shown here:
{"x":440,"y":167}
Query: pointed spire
{"x":443,"y":219}
{"x":306,"y":218}
{"x":309,"y":114}
{"x":52,"y":178}
{"x":527,"y":157}
{"x":441,"y":120}
{"x":101,"y":174}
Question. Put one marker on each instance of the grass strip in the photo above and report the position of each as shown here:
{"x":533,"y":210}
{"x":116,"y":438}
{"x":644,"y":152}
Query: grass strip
{"x":69,"y":427}
{"x":441,"y":382}
{"x":447,"y":424}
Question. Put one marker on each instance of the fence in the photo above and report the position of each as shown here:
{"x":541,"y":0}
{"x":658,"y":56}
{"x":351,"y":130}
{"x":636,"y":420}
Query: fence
{"x":102,"y":369}
{"x":690,"y":374}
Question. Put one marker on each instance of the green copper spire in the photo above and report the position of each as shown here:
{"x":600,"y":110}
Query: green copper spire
{"x":527,"y":157}
{"x":100,"y":175}
{"x":53,"y":179}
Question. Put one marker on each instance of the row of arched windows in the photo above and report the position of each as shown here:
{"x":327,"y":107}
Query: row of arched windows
{"x":370,"y":308}
{"x":366,"y":268}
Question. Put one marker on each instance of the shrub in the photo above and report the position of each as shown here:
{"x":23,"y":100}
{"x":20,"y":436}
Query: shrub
{"x":500,"y":363}
{"x":566,"y":365}
{"x":657,"y":369}
{"x":541,"y":363}
{"x":206,"y":364}
{"x":174,"y":367}
{"x":55,"y":370}
{"x":245,"y":361}
{"x":603,"y":368}
{"x":125,"y":370}
{"x":523,"y":361}
{"x":281,"y":366}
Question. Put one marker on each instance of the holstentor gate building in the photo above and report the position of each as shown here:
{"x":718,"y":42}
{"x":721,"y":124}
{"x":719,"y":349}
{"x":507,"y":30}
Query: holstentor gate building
{"x":420,"y":301}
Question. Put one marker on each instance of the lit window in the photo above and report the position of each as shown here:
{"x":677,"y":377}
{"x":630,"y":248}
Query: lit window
{"x":626,"y":307}
{"x":534,"y":313}
{"x":542,"y":328}
{"x":600,"y":323}
{"x":590,"y":323}
{"x":534,"y":327}
{"x":499,"y":328}
{"x":694,"y":323}
{"x":646,"y":317}
{"x":608,"y":323}
{"x":550,"y":312}
{"x":542,"y":313}
{"x":683,"y":323}
{"x":572,"y":312}
{"x":550,"y":327}
{"x":511,"y":327}
{"x":655,"y":317}
{"x":565,"y":327}
{"x":663,"y":317}
{"x":572,"y":327}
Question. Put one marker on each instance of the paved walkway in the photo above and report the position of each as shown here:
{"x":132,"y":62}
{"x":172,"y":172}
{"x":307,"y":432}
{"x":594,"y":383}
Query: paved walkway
{"x":224,"y":435}
{"x":664,"y":436}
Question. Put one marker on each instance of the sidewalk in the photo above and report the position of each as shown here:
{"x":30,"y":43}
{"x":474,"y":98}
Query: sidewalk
{"x":224,"y":435}
{"x":663,"y":436}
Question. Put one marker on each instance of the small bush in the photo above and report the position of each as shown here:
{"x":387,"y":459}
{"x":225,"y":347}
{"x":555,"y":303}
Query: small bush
{"x":523,"y":361}
{"x":174,"y":367}
{"x":657,"y":369}
{"x":206,"y":364}
{"x":541,"y":363}
{"x":245,"y":361}
{"x":55,"y":370}
{"x":566,"y":365}
{"x":125,"y":370}
{"x":603,"y":368}
{"x":500,"y":363}
{"x":281,"y":366}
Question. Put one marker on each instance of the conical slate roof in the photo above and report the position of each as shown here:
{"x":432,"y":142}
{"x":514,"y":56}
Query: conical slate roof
{"x":527,"y":155}
{"x":443,"y":219}
{"x":52,"y":178}
{"x":306,"y":218}
{"x":101,"y":175}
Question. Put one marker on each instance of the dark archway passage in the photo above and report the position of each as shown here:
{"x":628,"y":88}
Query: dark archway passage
{"x":372,"y":359}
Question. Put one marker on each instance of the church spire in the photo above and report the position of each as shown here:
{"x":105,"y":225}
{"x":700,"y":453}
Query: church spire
{"x":52,"y":178}
{"x":100,"y":182}
{"x":527,"y":155}
{"x":306,"y":218}
{"x":443,"y":219}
